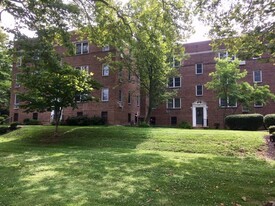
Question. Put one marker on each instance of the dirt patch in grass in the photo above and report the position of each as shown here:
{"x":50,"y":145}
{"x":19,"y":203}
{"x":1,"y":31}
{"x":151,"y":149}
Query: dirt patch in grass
{"x":269,"y":153}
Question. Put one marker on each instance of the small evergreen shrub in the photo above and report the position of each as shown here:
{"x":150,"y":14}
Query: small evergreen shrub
{"x":269,"y":120}
{"x":185,"y":125}
{"x":271,"y":129}
{"x":28,"y":121}
{"x":250,"y":122}
{"x":97,"y":121}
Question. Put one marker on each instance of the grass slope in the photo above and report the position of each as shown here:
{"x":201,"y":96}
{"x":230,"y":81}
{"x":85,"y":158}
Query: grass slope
{"x":134,"y":166}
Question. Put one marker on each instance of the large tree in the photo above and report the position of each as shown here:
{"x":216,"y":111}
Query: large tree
{"x":5,"y":72}
{"x":146,"y":34}
{"x":49,"y":83}
{"x":245,"y":27}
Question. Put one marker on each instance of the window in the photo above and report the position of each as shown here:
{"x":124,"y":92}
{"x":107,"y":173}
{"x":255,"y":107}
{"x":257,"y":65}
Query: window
{"x":105,"y":94}
{"x":106,"y":48}
{"x":79,"y":114}
{"x":199,"y":68}
{"x":129,"y":97}
{"x":105,"y":70}
{"x":83,"y":68}
{"x":257,"y":76}
{"x":258,"y":104}
{"x":120,"y":75}
{"x":229,"y":102}
{"x":16,"y":80}
{"x":174,"y":120}
{"x":138,"y":100}
{"x":174,"y":103}
{"x":119,"y":95}
{"x":199,"y":90}
{"x":19,"y":61}
{"x":16,"y":101}
{"x":82,"y":48}
{"x":174,"y":82}
{"x":15,"y":117}
{"x":175,"y":63}
{"x":129,"y":75}
{"x":35,"y":116}
{"x":225,"y":54}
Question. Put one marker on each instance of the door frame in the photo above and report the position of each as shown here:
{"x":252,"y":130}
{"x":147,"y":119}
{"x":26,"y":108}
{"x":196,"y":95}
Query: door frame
{"x":195,"y":105}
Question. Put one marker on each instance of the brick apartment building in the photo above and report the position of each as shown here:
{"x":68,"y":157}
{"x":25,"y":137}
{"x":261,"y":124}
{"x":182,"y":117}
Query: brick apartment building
{"x":120,"y":101}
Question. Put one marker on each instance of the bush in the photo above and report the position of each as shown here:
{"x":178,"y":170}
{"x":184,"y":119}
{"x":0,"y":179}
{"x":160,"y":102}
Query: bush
{"x":13,"y":125}
{"x":85,"y":121}
{"x":244,"y":121}
{"x":185,"y":125}
{"x":269,"y":120}
{"x":3,"y":130}
{"x":271,"y":129}
{"x":31,"y":122}
{"x":143,"y":124}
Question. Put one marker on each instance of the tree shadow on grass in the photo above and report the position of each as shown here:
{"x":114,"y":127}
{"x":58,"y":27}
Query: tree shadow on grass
{"x":127,"y":177}
{"x":91,"y":167}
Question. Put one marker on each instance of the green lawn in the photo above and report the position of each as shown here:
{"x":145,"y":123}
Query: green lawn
{"x":134,"y":166}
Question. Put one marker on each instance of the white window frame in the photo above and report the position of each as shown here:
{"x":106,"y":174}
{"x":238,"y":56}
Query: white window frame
{"x":105,"y":93}
{"x":174,"y":82}
{"x":16,"y":101}
{"x":105,"y":70}
{"x":16,"y":81}
{"x":19,"y":61}
{"x":176,"y":63}
{"x":82,"y":51}
{"x":254,"y":76}
{"x":196,"y":68}
{"x":199,"y":95}
{"x":83,"y":68}
{"x":174,"y":103}
{"x":258,"y":105}
{"x":228,"y":101}
{"x":106,"y":48}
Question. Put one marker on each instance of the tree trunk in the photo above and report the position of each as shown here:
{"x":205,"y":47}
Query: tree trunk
{"x":57,"y":113}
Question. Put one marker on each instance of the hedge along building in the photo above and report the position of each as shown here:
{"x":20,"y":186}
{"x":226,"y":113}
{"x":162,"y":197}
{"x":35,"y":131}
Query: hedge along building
{"x":120,"y":100}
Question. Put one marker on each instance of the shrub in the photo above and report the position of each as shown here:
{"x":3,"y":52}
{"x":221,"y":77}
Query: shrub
{"x":269,"y":120}
{"x":3,"y":130}
{"x":244,"y":121}
{"x":185,"y":125}
{"x":143,"y":124}
{"x":13,"y":125}
{"x":31,"y":122}
{"x":271,"y":129}
{"x":85,"y":121}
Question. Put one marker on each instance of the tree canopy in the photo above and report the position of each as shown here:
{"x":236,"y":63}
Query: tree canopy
{"x":146,"y":34}
{"x":245,"y":27}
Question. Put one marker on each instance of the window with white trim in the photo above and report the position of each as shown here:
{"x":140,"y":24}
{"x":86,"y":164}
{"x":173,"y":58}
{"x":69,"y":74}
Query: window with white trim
{"x":83,"y":68}
{"x":174,"y":103}
{"x":199,"y":68}
{"x":81,"y":48}
{"x":227,"y":102}
{"x":199,"y":90}
{"x":19,"y":61}
{"x":225,"y":54}
{"x":129,"y":97}
{"x":257,"y":76}
{"x":176,"y":63}
{"x":258,"y":104}
{"x":174,"y":82}
{"x":106,"y":48}
{"x":17,"y":84}
{"x":16,"y":101}
{"x":105,"y":94}
{"x":105,"y":70}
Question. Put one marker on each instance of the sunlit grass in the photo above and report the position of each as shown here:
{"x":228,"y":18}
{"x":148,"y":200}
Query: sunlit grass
{"x":134,"y":166}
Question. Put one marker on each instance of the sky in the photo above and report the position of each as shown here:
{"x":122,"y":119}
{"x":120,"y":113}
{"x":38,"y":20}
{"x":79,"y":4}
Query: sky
{"x":199,"y":35}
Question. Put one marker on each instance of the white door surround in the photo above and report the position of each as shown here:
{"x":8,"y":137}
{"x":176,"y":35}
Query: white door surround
{"x":199,"y":114}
